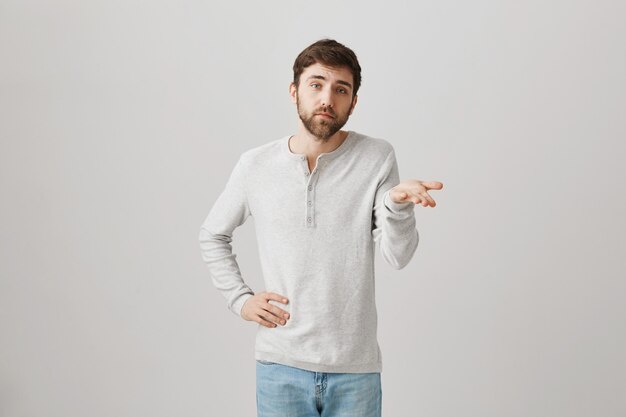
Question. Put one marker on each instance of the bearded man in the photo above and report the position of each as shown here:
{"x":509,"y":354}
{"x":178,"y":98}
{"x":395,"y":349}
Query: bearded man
{"x":322,"y":199}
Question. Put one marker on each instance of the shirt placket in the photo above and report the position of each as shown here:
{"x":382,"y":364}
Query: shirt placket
{"x":310,"y":185}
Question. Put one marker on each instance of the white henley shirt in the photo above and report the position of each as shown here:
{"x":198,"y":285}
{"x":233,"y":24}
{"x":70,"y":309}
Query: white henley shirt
{"x":316,"y":232}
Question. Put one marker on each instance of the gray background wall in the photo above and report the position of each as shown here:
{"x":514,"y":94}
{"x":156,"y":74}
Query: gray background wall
{"x":121,"y":120}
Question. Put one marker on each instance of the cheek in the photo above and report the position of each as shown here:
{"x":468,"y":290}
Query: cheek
{"x":307,"y":105}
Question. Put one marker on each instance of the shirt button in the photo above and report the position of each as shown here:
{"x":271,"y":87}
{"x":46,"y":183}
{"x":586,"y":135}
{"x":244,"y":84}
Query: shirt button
{"x":306,"y":173}
{"x":309,"y":203}
{"x":308,"y":219}
{"x":302,"y":157}
{"x":310,"y":187}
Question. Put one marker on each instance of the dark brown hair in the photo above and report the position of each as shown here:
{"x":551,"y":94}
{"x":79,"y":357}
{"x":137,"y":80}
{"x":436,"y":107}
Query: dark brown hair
{"x":330,"y":53}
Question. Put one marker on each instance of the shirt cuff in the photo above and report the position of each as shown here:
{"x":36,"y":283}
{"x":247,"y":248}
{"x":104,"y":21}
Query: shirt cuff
{"x":238,"y":304}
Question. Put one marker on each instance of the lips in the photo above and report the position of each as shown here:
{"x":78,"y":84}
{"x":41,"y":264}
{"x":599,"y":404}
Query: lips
{"x":326,"y":115}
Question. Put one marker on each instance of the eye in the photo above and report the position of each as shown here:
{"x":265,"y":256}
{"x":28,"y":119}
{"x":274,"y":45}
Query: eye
{"x":342,"y":90}
{"x":314,"y":84}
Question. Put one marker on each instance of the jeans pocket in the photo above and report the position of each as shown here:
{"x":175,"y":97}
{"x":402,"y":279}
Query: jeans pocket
{"x":265,"y":362}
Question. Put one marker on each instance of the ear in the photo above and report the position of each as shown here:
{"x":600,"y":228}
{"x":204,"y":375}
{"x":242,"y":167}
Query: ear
{"x":293,"y":92}
{"x":353,"y":104}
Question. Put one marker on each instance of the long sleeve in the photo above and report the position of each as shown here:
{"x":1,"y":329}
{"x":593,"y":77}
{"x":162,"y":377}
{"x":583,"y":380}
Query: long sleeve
{"x":318,"y":233}
{"x":229,"y":211}
{"x":394,"y":223}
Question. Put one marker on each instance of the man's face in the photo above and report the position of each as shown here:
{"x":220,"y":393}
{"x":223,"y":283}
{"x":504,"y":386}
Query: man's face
{"x":327,"y":90}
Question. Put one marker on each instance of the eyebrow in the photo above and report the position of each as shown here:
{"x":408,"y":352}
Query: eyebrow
{"x":321,"y":77}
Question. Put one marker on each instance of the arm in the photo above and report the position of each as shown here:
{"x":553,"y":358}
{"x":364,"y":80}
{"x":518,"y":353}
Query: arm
{"x":393,"y":223}
{"x":229,"y":211}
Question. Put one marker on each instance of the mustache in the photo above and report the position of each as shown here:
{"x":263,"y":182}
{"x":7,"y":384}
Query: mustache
{"x":328,"y":111}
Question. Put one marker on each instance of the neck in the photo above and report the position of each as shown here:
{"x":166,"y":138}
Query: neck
{"x":305,"y":143}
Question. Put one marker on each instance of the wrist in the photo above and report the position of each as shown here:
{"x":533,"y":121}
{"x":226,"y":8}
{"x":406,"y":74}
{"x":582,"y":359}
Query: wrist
{"x":393,"y":205}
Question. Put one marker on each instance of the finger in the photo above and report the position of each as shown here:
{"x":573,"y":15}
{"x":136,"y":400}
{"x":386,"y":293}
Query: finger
{"x":433,"y":185}
{"x":265,"y":323}
{"x":424,"y":199}
{"x":412,"y":197}
{"x":417,"y":197}
{"x":278,"y":312}
{"x":271,"y":318}
{"x":276,"y":297}
{"x":430,"y":200}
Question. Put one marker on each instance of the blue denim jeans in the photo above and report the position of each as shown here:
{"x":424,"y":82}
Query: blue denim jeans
{"x":286,"y":391}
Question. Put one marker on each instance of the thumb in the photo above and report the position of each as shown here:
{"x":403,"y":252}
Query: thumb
{"x":398,"y":196}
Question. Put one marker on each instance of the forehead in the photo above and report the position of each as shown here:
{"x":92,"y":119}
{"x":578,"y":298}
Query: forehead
{"x":333,"y":73}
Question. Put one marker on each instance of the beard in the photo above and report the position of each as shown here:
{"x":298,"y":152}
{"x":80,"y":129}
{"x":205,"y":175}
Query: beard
{"x":321,"y":127}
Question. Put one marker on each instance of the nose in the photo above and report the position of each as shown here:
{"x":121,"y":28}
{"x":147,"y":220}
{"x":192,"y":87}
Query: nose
{"x":327,"y":98}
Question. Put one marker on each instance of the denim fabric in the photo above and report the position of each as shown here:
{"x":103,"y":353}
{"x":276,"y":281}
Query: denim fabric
{"x":286,"y":391}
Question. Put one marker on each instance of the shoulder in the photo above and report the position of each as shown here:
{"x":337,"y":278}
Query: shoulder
{"x":263,"y":153}
{"x":374,"y":147}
